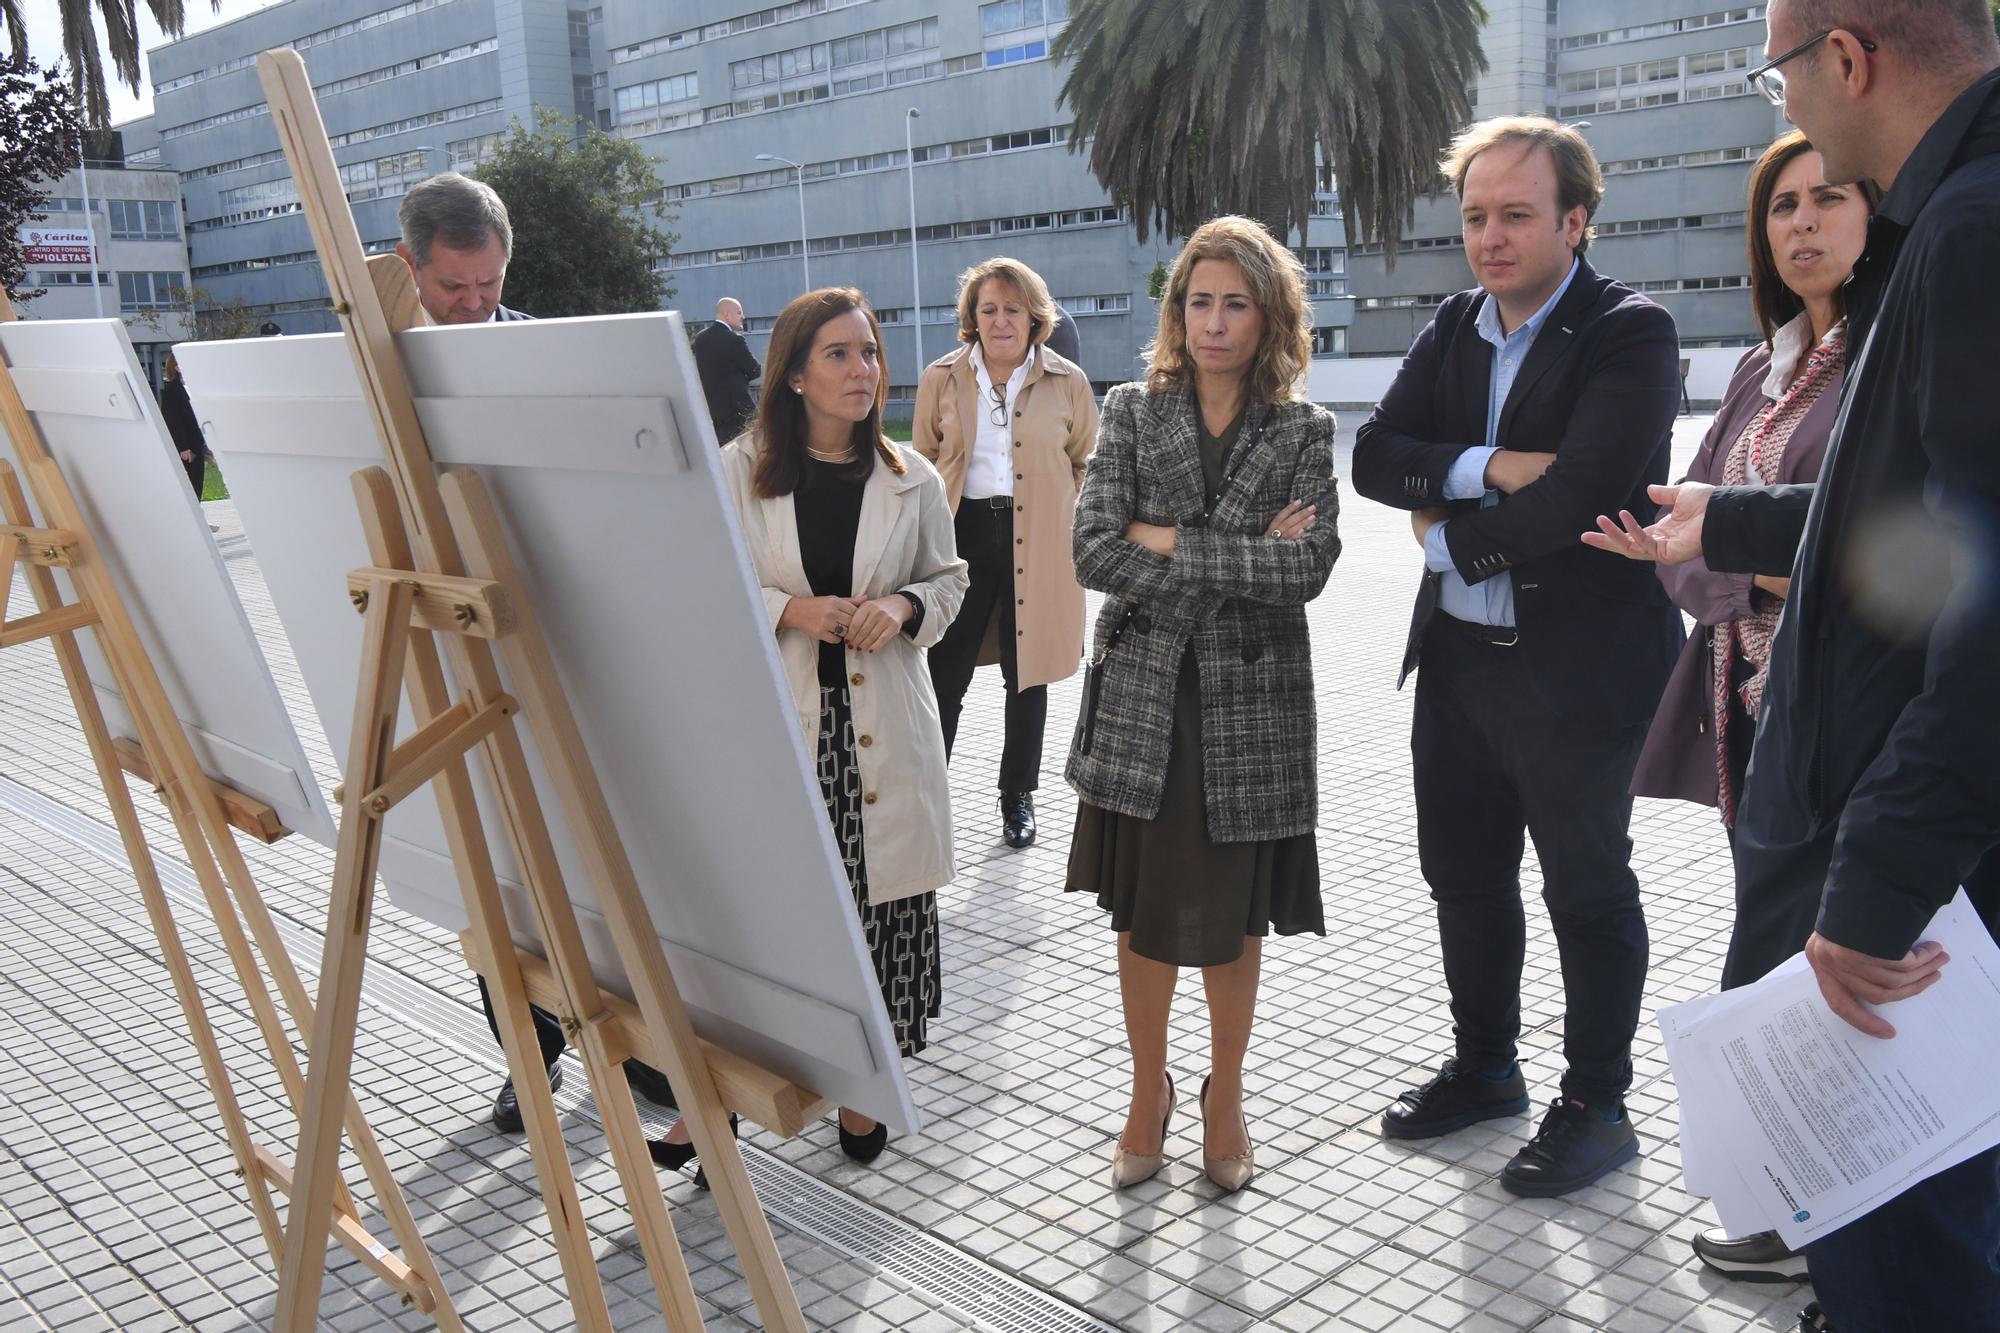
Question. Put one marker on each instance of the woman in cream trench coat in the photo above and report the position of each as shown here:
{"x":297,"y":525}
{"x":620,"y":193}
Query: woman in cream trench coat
{"x":904,"y":542}
{"x":1010,"y":425}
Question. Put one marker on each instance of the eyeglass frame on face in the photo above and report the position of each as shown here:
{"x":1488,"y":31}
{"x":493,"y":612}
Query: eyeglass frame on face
{"x":1769,"y":80}
{"x":998,"y":413}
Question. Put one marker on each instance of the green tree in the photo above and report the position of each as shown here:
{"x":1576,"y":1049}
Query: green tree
{"x":38,"y":125}
{"x":80,"y":44}
{"x":1202,"y":107}
{"x":582,"y":243}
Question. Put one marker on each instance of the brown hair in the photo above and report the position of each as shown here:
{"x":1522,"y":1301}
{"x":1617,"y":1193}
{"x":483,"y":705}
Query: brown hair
{"x":1579,"y":181}
{"x":1034,"y":294}
{"x":781,"y":412}
{"x":1771,"y":301}
{"x":1277,"y":284}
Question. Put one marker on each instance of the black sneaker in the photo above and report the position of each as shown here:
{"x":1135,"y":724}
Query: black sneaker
{"x":1761,"y":1257}
{"x":507,"y":1107}
{"x":1574,"y":1147}
{"x":1457,"y":1097}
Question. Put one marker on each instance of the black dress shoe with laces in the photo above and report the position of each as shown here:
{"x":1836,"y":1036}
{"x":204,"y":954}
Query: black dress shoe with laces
{"x":1455,"y":1098}
{"x":507,"y":1107}
{"x":1574,"y":1147}
{"x":1017,"y":814}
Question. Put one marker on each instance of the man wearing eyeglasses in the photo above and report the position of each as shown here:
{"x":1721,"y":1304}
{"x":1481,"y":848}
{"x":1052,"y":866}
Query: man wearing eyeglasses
{"x":1873,"y":791}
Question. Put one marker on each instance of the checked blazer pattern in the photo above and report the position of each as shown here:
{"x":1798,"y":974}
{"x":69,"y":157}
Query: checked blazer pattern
{"x":1228,"y":589}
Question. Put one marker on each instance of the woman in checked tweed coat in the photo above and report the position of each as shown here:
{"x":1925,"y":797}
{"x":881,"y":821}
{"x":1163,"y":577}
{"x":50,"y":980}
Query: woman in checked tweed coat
{"x":1207,"y":517}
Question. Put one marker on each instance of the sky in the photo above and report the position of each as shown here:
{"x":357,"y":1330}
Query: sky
{"x":45,"y":43}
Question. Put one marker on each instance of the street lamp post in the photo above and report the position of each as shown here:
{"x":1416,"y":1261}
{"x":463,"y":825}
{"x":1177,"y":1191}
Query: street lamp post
{"x":916,"y":300}
{"x":799,"y":175}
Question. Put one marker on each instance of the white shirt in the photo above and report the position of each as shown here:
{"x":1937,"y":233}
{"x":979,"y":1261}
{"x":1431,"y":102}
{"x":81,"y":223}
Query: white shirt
{"x":990,"y":470}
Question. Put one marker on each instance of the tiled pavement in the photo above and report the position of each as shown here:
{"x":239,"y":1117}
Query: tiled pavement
{"x":119,"y":1207}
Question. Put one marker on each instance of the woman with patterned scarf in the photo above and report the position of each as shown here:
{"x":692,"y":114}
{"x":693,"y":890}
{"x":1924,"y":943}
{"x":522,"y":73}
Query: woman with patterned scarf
{"x":1805,"y":235}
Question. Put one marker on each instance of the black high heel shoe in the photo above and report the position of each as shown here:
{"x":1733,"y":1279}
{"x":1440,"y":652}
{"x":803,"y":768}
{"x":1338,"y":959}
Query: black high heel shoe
{"x":863,"y":1148}
{"x":674,"y":1156}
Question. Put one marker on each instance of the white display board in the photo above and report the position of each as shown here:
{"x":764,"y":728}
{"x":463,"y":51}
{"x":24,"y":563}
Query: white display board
{"x":82,"y":384}
{"x":592,"y":437}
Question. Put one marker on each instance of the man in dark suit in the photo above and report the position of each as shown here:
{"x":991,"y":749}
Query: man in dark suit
{"x":1530,"y":403}
{"x":457,"y":241}
{"x":728,"y":368}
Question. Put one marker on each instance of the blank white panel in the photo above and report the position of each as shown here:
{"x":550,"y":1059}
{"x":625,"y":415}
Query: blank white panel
{"x":81,"y":382}
{"x":592,"y":438}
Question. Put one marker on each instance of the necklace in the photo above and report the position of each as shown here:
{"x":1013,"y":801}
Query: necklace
{"x":844,"y":456}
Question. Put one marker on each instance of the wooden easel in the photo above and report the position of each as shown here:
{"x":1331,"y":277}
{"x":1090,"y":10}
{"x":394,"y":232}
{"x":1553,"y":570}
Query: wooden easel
{"x":203,"y":811}
{"x":444,"y":589}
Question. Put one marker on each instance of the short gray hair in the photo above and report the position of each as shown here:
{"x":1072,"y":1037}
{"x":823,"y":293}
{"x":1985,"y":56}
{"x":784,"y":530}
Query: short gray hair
{"x":1931,"y":34}
{"x":456,"y":210}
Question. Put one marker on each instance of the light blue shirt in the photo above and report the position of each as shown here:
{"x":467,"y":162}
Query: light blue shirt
{"x":1492,"y":601}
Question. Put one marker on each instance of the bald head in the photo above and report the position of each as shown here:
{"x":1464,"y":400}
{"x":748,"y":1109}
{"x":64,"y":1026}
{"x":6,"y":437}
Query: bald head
{"x":730,"y":311}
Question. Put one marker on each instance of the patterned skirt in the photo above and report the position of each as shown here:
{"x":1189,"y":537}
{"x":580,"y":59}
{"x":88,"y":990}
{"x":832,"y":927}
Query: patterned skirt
{"x":902,"y":935}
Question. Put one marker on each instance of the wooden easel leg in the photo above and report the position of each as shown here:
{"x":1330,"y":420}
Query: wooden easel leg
{"x":77,"y":678}
{"x":531,"y":668}
{"x":330,"y":1049}
{"x":206,"y":837}
{"x":424,"y":678}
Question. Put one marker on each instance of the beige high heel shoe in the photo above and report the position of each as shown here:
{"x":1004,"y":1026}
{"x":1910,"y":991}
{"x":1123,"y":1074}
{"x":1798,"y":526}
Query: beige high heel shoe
{"x":1229,"y":1174}
{"x":1129,"y":1168}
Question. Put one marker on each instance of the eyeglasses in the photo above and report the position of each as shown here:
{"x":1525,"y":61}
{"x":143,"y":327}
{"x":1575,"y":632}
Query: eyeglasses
{"x":1770,"y":80}
{"x":998,"y":414}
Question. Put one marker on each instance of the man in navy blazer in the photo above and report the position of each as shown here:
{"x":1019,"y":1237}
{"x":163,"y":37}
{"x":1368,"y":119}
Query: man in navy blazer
{"x":1532,"y":403}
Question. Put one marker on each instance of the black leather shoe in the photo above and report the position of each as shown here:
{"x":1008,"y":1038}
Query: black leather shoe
{"x":1574,"y":1147}
{"x":863,"y":1148}
{"x":674,"y":1156}
{"x":1760,"y":1257}
{"x":507,"y":1107}
{"x":1813,"y":1320}
{"x":1017,"y":813}
{"x":651,"y":1084}
{"x":1457,"y":1097}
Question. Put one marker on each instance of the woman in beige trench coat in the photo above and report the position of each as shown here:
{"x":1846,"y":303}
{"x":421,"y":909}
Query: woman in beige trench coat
{"x":1010,"y":425}
{"x":850,"y":538}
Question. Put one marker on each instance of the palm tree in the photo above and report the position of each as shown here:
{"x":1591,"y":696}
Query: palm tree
{"x":1200,"y":107}
{"x":80,"y":47}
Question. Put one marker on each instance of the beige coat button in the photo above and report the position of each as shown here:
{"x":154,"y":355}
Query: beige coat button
{"x":869,"y":799}
{"x":865,"y":741}
{"x":856,"y":678}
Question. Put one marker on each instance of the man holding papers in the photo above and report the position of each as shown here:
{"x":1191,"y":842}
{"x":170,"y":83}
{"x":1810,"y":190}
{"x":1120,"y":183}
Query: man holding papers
{"x":1874,"y":784}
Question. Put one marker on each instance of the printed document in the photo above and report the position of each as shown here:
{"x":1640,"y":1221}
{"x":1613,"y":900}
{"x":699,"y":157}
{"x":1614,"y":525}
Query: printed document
{"x":1794,"y":1122}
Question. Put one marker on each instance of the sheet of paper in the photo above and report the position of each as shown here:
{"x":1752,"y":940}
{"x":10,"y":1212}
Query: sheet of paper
{"x":1794,"y":1122}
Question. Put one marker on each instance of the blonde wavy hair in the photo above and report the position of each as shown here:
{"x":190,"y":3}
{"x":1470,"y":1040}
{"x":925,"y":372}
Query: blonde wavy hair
{"x":1277,"y":283}
{"x":1034,"y":295}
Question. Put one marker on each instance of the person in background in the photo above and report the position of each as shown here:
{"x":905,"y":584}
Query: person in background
{"x":1526,"y":406}
{"x":457,"y":240}
{"x":1207,"y":520}
{"x":178,"y":412}
{"x":823,"y":494}
{"x":1063,"y":339}
{"x":1873,"y":795}
{"x":728,"y":368}
{"x":1009,"y":425}
{"x":1805,"y":233}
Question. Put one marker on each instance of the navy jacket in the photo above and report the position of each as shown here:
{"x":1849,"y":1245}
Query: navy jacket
{"x":1599,"y":388}
{"x":1874,"y":786}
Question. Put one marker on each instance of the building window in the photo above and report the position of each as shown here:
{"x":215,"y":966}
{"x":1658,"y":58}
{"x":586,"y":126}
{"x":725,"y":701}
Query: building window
{"x":144,"y":220}
{"x":1330,"y":340}
{"x":67,"y":277}
{"x":147,"y":291}
{"x":1013,"y":15}
{"x":1012,"y":55}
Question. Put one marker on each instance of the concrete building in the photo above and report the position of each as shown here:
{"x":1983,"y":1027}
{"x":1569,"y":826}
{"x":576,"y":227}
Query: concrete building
{"x":737,"y":100}
{"x":1664,"y":87}
{"x":407,"y":88}
{"x":123,"y":255}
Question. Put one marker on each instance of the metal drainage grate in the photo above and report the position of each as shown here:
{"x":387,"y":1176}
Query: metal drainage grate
{"x":932,"y":1269}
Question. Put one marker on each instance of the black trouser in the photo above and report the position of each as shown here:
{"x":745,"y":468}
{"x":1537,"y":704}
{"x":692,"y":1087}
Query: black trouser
{"x":549,"y":1034}
{"x":197,"y":470}
{"x":1492,"y":759}
{"x":986,"y":544}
